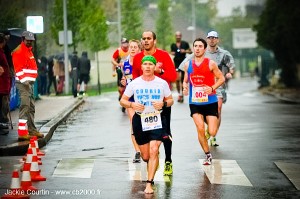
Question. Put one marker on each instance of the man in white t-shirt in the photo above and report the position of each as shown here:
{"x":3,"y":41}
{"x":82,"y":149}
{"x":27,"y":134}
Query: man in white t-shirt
{"x":151,"y":94}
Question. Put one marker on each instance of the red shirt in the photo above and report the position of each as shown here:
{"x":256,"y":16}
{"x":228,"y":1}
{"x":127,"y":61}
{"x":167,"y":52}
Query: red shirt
{"x":202,"y":75}
{"x":164,"y":62}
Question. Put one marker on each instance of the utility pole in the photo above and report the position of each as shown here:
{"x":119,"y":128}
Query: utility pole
{"x":66,"y":54}
{"x":119,"y":21}
{"x":194,"y":19}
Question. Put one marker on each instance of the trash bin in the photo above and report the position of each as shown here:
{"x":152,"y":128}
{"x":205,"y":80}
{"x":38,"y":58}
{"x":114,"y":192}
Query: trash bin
{"x":14,"y":96}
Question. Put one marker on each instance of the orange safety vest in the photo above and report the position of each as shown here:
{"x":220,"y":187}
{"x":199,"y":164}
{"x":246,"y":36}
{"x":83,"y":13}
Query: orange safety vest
{"x":24,"y":63}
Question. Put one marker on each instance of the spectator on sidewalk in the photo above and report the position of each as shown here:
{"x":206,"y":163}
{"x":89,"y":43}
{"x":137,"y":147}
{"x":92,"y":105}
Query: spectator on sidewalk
{"x":59,"y":73}
{"x":51,"y":77}
{"x":83,"y":72}
{"x":26,"y":74}
{"x":6,"y":100}
{"x":74,"y":73}
{"x":5,"y":85}
{"x":42,"y":74}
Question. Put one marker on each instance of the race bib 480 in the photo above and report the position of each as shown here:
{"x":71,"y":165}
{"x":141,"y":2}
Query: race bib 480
{"x":151,"y":121}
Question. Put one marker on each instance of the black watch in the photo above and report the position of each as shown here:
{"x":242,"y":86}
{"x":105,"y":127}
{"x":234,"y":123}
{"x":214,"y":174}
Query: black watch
{"x":162,"y":72}
{"x":165,"y":104}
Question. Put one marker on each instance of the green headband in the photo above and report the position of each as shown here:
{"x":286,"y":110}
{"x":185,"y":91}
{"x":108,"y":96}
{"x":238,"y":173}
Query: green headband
{"x":149,"y":58}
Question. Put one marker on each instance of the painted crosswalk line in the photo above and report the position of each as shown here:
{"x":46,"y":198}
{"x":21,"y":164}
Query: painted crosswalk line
{"x":74,"y":168}
{"x":138,"y":171}
{"x":225,"y":172}
{"x":291,"y":171}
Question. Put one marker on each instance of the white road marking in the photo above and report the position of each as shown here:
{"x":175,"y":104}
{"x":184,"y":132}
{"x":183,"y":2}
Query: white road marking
{"x":103,"y":100}
{"x":138,"y":171}
{"x":291,"y":171}
{"x":74,"y":168}
{"x":225,"y":172}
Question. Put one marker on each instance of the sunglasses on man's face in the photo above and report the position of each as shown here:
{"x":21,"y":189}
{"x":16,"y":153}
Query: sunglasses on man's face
{"x":212,"y":37}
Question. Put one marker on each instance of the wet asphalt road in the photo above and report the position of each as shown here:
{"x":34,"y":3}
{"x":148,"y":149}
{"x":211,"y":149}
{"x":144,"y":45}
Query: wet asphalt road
{"x":256,"y":131}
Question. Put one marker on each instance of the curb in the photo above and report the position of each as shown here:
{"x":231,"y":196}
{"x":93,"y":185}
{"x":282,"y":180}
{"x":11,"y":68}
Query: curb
{"x":282,"y":98}
{"x":20,"y":148}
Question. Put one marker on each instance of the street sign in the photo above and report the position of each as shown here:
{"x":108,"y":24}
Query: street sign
{"x":35,"y":24}
{"x":61,"y":37}
{"x":243,"y":38}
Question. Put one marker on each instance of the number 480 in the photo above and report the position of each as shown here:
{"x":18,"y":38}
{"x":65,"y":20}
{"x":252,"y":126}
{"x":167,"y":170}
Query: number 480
{"x":151,"y":119}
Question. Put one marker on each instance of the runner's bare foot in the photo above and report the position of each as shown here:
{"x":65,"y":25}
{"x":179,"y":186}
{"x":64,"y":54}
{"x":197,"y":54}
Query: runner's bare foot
{"x":149,"y":189}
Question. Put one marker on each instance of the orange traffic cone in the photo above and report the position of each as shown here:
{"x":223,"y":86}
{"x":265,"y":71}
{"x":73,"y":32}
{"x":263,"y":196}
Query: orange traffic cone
{"x":39,"y":153}
{"x":35,"y":172}
{"x":26,"y":183}
{"x":34,"y":151}
{"x":28,"y":159}
{"x":15,"y":188}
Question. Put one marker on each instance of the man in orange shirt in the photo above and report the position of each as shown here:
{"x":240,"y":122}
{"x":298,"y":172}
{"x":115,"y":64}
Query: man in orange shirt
{"x":118,"y":58}
{"x":26,"y":74}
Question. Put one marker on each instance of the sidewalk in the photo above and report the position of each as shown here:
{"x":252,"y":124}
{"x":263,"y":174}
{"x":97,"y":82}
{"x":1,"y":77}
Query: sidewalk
{"x":50,"y":111}
{"x":291,"y":95}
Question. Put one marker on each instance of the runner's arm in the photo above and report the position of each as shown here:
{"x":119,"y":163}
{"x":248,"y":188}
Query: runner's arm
{"x":185,"y":84}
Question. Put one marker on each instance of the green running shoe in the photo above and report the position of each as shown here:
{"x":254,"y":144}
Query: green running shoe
{"x":213,"y":142}
{"x":207,"y":135}
{"x":168,"y":171}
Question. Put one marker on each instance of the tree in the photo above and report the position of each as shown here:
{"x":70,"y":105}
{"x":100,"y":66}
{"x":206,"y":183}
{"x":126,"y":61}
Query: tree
{"x":278,"y":30}
{"x":225,"y":25}
{"x":164,"y":27}
{"x":93,"y":30}
{"x":131,"y":19}
{"x":11,"y":15}
{"x":86,"y":20}
{"x":75,"y":10}
{"x":205,"y":15}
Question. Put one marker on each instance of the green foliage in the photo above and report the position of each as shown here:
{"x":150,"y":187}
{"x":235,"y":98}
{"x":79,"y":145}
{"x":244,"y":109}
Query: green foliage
{"x":225,"y":25}
{"x":74,"y":13}
{"x":11,"y":15}
{"x":205,"y":13}
{"x":104,"y":89}
{"x":278,"y":30}
{"x":164,"y":24}
{"x":86,"y":20}
{"x":131,"y":19}
{"x":93,"y":30}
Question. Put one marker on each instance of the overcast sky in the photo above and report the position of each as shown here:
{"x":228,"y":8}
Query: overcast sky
{"x":225,"y":6}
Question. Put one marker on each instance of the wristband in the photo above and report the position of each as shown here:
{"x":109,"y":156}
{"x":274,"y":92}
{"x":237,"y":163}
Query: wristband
{"x":165,"y":104}
{"x":212,"y":89}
